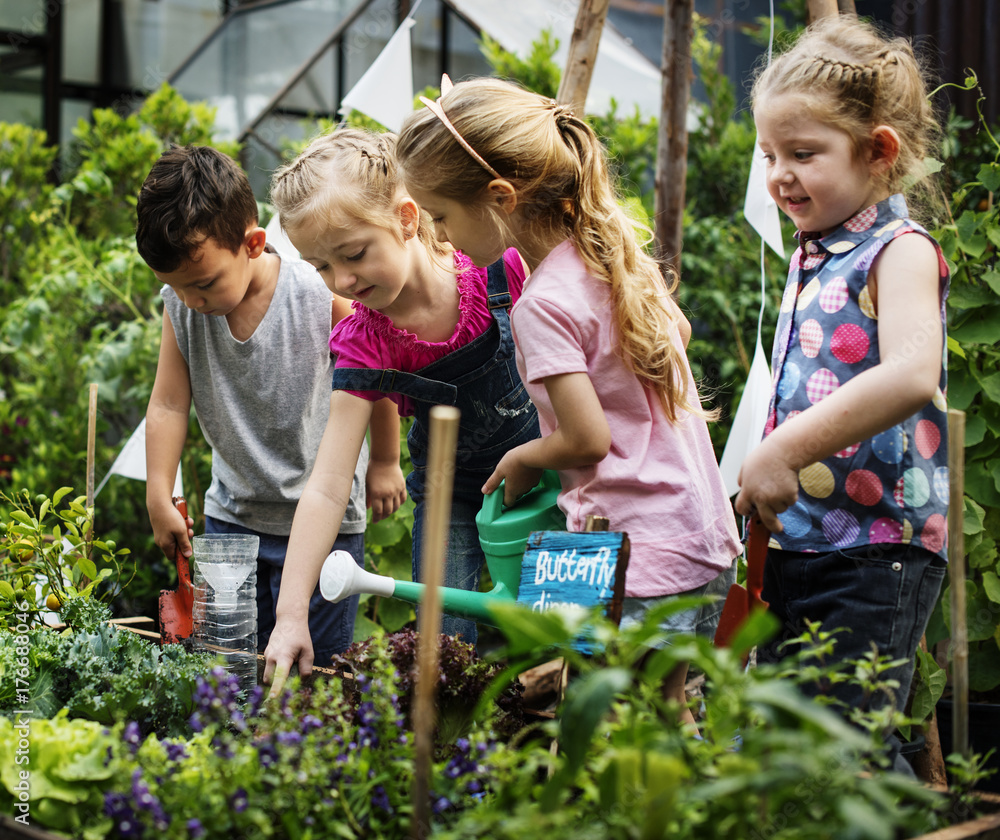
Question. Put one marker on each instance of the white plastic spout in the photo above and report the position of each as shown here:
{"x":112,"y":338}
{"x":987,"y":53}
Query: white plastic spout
{"x":341,"y":577}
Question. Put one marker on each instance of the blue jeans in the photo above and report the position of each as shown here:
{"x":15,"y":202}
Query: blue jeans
{"x":331,"y":626}
{"x":702,"y":620}
{"x":879,"y":594}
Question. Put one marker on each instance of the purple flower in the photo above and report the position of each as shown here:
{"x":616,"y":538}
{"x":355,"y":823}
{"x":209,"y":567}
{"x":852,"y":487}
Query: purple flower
{"x":195,"y":828}
{"x":175,"y":750}
{"x":132,"y":736}
{"x":380,"y":799}
{"x":289,"y":737}
{"x":310,"y":722}
{"x":267,"y":753}
{"x":239,"y":801}
{"x":440,"y":805}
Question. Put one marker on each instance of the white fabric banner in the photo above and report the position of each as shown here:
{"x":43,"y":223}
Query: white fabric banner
{"x":131,"y":461}
{"x":385,"y":91}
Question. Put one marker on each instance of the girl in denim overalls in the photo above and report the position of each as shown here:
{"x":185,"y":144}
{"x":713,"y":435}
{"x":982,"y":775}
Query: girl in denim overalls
{"x":852,"y":475}
{"x":428,"y":328}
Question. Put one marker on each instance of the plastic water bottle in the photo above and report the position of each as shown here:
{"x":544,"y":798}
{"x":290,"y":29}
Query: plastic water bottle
{"x":224,"y":574}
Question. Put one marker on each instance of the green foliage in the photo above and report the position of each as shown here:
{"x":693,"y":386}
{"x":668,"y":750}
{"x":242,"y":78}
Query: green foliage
{"x":48,"y":548}
{"x":768,"y":762}
{"x":67,"y":765}
{"x":25,"y":164}
{"x":106,"y":674}
{"x":969,"y":235}
{"x":79,"y":307}
{"x":537,"y":72}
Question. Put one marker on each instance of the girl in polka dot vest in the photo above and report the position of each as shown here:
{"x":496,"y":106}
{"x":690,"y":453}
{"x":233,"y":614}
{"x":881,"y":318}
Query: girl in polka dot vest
{"x":851,"y":477}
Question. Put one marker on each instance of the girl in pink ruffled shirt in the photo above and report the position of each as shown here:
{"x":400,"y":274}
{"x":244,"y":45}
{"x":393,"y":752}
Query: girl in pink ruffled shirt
{"x":428,"y":328}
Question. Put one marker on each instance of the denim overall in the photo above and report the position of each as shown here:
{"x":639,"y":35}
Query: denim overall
{"x":481,"y":380}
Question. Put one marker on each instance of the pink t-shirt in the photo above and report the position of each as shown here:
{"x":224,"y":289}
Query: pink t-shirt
{"x":368,"y":339}
{"x":660,"y":482}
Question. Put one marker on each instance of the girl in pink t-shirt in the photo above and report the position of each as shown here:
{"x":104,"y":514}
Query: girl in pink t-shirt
{"x":428,"y":328}
{"x":600,"y":341}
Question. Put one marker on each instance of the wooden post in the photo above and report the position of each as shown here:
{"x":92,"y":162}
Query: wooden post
{"x":442,"y":440}
{"x":671,"y":151}
{"x":821,"y":8}
{"x":582,"y":55}
{"x":956,"y":577}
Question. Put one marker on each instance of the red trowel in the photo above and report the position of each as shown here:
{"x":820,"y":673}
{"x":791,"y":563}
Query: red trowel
{"x":741,"y":601}
{"x":175,"y":605}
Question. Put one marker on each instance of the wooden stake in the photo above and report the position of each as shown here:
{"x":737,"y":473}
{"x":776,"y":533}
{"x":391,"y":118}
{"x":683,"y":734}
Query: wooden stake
{"x":582,"y":57}
{"x":443,"y":436}
{"x":956,"y":577}
{"x":91,"y":440}
{"x":672,"y":145}
{"x":91,"y":447}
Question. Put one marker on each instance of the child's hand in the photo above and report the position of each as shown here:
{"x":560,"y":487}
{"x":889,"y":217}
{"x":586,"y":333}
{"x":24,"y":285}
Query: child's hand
{"x":289,"y":643}
{"x":171,"y":531}
{"x":385,"y":488}
{"x":518,"y":478}
{"x":768,"y":486}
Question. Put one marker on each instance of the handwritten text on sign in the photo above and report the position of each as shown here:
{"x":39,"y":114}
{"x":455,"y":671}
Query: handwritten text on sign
{"x":561,"y":567}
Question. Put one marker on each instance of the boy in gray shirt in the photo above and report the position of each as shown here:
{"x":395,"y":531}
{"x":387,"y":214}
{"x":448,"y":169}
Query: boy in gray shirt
{"x":245,"y":338}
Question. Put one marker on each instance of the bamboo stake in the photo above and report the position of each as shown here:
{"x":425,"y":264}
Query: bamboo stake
{"x":956,"y":576}
{"x":582,"y":56}
{"x":91,"y":447}
{"x":442,"y":441}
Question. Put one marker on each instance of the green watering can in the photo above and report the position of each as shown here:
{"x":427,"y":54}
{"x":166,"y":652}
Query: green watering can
{"x":503,"y":534}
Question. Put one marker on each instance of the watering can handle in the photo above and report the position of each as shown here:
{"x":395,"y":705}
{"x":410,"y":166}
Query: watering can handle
{"x":493,"y":502}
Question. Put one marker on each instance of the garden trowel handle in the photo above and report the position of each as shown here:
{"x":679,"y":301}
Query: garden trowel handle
{"x":183,"y":569}
{"x":757,"y":541}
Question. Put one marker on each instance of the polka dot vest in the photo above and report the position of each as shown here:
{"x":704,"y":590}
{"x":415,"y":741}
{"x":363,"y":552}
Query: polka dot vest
{"x":892,"y":488}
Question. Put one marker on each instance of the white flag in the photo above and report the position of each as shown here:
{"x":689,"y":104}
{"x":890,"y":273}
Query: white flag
{"x":759,"y":208}
{"x":277,"y":239}
{"x":748,"y":423}
{"x":385,"y":91}
{"x":131,"y":461}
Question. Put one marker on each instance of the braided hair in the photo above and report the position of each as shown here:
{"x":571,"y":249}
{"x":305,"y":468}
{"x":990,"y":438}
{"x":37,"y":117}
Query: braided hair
{"x":347,"y":175}
{"x":853,"y":78}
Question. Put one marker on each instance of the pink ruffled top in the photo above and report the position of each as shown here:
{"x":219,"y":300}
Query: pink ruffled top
{"x":368,"y":339}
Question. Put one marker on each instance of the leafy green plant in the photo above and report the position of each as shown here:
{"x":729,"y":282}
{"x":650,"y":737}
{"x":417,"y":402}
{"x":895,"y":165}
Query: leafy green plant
{"x":768,"y":762}
{"x":49,"y":555}
{"x":106,"y":674}
{"x":969,"y":236}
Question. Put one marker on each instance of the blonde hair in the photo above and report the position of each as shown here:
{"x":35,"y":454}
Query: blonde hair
{"x":347,"y":174}
{"x":853,"y":78}
{"x":558,"y":167}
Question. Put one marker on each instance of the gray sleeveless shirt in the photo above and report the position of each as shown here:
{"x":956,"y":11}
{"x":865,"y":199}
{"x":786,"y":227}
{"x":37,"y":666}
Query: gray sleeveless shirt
{"x":263,"y":403}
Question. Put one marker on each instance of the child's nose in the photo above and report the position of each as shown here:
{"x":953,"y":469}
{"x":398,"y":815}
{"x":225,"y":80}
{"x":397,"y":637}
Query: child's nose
{"x":343,"y":279}
{"x":440,"y":233}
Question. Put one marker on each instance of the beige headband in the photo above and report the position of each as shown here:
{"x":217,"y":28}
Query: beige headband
{"x":438,"y":111}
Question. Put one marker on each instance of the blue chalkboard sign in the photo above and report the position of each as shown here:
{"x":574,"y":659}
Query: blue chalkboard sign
{"x":584,"y":568}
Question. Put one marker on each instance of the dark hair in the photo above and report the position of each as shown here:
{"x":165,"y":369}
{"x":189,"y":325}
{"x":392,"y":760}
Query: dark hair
{"x":191,"y":194}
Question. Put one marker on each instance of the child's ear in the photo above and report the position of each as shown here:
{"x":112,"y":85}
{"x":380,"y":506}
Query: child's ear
{"x":409,"y":217}
{"x":255,"y":241}
{"x":502,"y":193}
{"x":884,"y":149}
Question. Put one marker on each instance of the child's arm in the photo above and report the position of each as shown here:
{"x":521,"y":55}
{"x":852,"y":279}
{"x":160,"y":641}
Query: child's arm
{"x":166,"y":430}
{"x":317,"y":521}
{"x":581,"y":438}
{"x":905,"y":284}
{"x":385,"y":486}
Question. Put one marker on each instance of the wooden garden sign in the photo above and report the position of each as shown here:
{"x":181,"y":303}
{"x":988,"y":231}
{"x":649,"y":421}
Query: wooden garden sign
{"x":580,"y":568}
